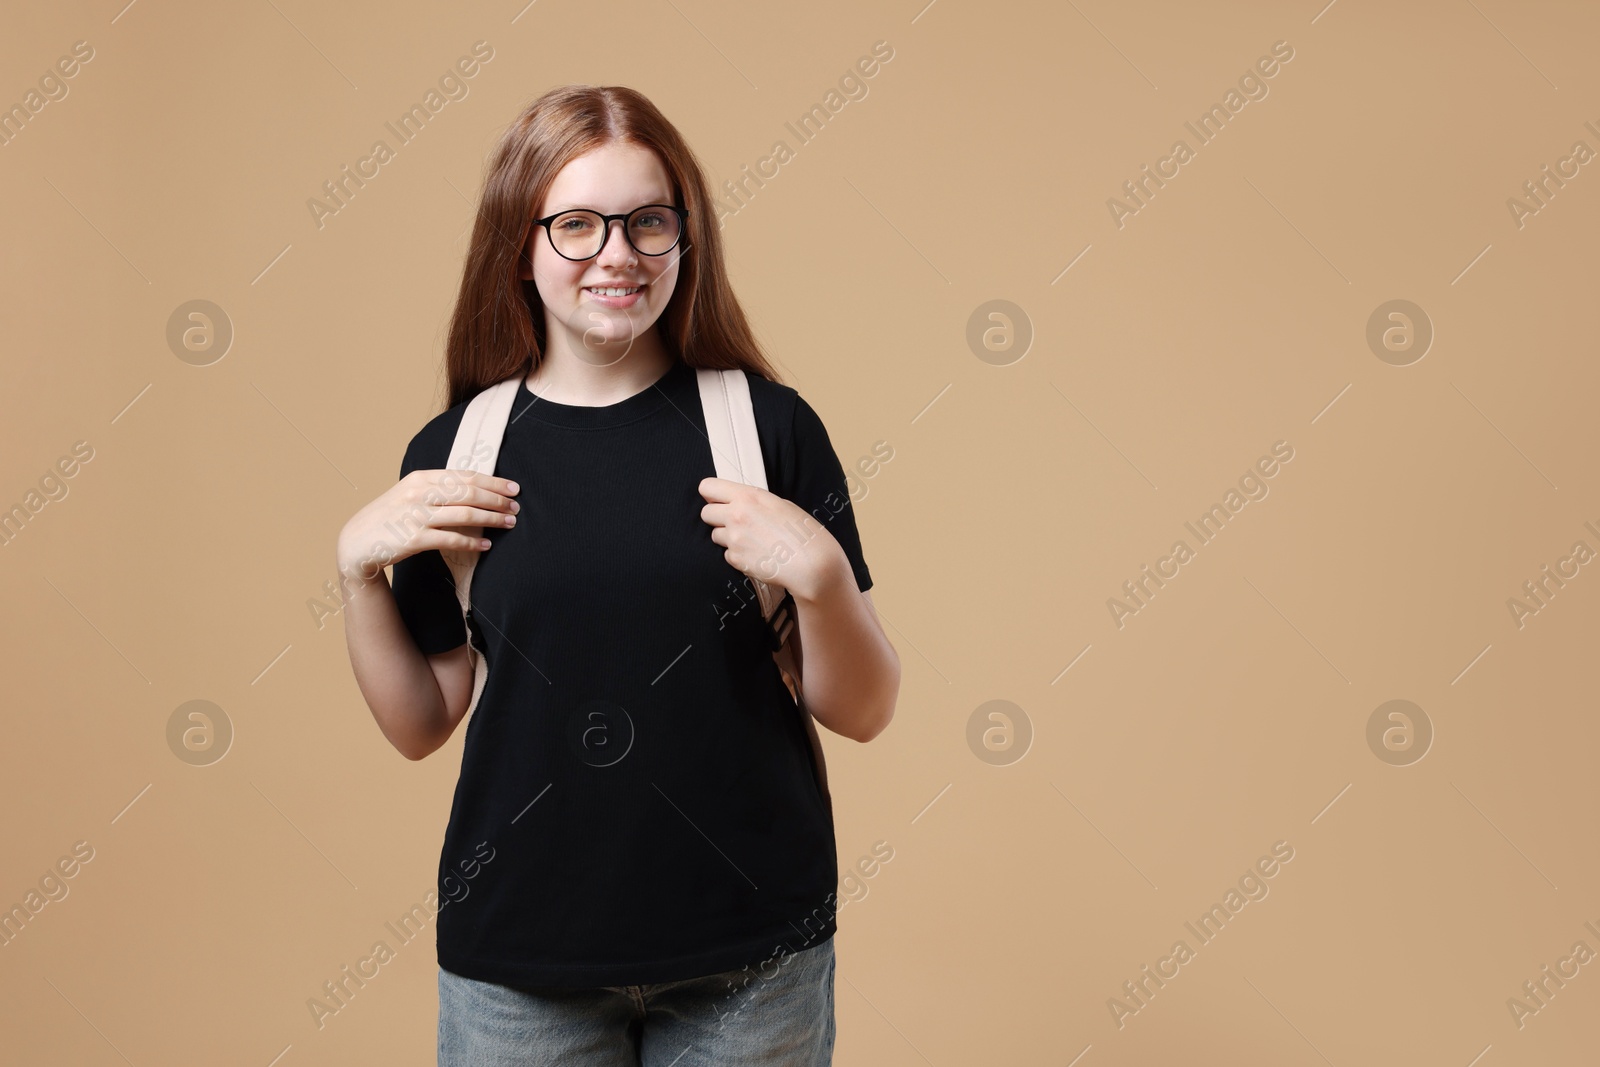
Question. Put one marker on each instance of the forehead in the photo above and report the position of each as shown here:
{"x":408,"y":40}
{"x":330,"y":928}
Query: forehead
{"x":613,"y":178}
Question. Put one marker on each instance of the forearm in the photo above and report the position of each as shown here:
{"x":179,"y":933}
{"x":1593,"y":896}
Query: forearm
{"x":394,"y":676}
{"x":850,"y":671}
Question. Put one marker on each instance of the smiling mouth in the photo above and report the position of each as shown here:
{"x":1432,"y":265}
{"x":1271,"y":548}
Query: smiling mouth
{"x":612,"y":290}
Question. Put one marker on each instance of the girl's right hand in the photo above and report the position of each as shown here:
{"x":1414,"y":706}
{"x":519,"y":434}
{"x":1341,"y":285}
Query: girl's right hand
{"x":428,"y":508}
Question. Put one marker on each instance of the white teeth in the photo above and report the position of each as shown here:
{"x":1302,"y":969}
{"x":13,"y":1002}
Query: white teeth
{"x":612,"y":290}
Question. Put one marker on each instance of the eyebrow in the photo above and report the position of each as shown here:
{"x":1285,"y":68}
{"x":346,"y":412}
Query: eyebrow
{"x":665,"y":201}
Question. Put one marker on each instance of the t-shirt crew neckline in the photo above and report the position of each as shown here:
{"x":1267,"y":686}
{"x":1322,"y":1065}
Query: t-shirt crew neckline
{"x":579,"y":416}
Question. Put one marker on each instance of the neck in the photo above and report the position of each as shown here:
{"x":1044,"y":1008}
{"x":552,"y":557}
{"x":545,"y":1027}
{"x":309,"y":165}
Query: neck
{"x":595,"y":377}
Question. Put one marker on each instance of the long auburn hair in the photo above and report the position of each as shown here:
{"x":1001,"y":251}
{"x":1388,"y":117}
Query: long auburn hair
{"x":497,"y":329}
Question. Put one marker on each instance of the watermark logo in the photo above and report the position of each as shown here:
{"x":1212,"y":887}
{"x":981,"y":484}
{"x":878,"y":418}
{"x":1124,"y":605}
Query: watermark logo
{"x":999,"y":732}
{"x":600,"y":733}
{"x":1399,"y":732}
{"x":999,"y":332}
{"x":1399,"y":332}
{"x":199,"y":732}
{"x":199,"y":332}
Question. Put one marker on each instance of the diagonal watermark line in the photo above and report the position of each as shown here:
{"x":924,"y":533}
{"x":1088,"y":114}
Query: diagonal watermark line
{"x":97,"y":630}
{"x":308,"y":440}
{"x":479,"y":615}
{"x":1519,"y":51}
{"x":1331,"y":803}
{"x":1108,"y":840}
{"x":908,"y":641}
{"x":1330,"y":403}
{"x":896,"y":229}
{"x":890,"y":1021}
{"x":702,"y":833}
{"x":319,"y":51}
{"x":101,"y":232}
{"x":532,"y":802}
{"x":932,"y":802}
{"x":1296,"y":229}
{"x":1508,"y":840}
{"x":1069,"y":266}
{"x":1468,"y":667}
{"x":719,"y":51}
{"x":669,"y":666}
{"x":1297,"y":630}
{"x":130,"y":404}
{"x":90,"y":1021}
{"x":1292,"y":1026}
{"x":131,"y":803}
{"x":1068,"y":667}
{"x":1108,"y":40}
{"x":1501,"y":432}
{"x":1108,"y":440}
{"x":307,"y":840}
{"x":269,"y":666}
{"x":1469,"y":266}
{"x":274,"y":263}
{"x":930,"y":403}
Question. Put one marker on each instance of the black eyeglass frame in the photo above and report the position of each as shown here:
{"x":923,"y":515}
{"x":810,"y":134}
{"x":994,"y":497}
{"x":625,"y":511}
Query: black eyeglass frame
{"x":683,"y":219}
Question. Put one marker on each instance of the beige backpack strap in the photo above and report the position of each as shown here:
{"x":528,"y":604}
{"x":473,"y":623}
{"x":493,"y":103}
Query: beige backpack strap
{"x":736,"y":451}
{"x":476,"y":448}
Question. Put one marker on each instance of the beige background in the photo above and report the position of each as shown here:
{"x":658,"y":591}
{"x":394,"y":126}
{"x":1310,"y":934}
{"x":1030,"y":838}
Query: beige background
{"x":1228,"y":314}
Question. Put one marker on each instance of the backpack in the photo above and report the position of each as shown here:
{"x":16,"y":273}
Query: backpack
{"x":736,"y":452}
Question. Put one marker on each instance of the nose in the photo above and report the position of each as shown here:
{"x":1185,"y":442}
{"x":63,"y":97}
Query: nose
{"x":616,"y":244}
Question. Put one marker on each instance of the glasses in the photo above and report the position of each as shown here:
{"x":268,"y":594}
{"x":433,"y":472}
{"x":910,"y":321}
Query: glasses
{"x":652,"y":230}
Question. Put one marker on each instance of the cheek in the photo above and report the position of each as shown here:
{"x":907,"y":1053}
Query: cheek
{"x":664,"y":283}
{"x":555,"y":277}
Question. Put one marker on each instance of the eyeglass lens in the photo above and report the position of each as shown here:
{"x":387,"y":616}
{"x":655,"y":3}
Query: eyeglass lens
{"x":581,"y":234}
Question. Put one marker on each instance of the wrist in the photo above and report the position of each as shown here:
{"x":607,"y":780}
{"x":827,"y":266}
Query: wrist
{"x":832,"y":575}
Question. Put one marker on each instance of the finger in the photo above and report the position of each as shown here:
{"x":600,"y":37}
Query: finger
{"x":461,"y":515}
{"x":450,"y":540}
{"x":720,"y":490}
{"x":716,"y":514}
{"x":490,"y":481}
{"x":470,"y":487}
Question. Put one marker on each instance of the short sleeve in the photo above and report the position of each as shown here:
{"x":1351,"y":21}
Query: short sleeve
{"x":424,"y":588}
{"x":814,"y":479}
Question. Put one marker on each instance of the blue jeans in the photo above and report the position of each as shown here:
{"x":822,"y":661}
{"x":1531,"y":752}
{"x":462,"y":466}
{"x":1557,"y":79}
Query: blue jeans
{"x":780,"y":1014}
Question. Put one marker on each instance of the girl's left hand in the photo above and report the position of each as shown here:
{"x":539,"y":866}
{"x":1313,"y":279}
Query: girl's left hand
{"x":770,"y":538}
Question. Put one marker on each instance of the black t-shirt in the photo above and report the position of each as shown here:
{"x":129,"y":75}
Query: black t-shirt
{"x":637,"y":800}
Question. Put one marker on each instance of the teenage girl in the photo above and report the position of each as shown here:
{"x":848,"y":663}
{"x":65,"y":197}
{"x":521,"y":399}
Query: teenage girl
{"x":639,"y":866}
